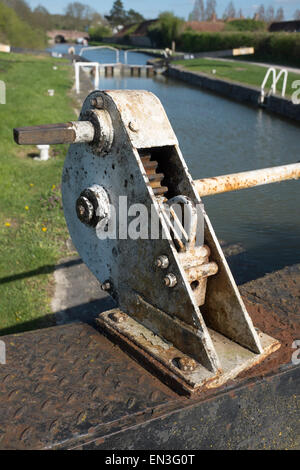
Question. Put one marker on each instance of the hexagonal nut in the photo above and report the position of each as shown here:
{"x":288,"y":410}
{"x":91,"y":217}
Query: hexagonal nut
{"x":170,"y":280}
{"x":187,"y":364}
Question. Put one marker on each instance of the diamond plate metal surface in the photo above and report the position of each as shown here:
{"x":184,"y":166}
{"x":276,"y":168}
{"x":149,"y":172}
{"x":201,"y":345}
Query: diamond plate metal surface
{"x":66,"y":381}
{"x":70,"y":387}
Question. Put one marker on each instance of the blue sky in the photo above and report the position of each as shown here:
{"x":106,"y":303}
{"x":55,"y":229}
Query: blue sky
{"x":151,"y":8}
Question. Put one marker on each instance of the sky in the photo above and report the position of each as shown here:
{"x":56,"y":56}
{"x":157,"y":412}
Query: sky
{"x":152,"y":8}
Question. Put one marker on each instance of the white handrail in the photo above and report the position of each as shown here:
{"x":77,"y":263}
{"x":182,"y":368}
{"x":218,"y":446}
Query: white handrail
{"x":102,"y":47}
{"x":131,"y":50}
{"x":275,"y":79}
{"x":96,"y":65}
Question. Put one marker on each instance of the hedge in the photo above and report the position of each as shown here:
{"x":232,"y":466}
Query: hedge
{"x":280,"y":47}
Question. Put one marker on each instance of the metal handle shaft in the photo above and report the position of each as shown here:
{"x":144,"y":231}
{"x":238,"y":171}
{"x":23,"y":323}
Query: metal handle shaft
{"x":246,"y":179}
{"x":50,"y":134}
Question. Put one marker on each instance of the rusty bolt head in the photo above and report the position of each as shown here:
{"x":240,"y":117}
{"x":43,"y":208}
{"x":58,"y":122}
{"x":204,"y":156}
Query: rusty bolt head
{"x":170,"y":280}
{"x":162,"y":262}
{"x":85,"y":210}
{"x":118,"y":317}
{"x":187,"y":364}
{"x":133,"y":126}
{"x":97,"y":102}
{"x":106,"y":286}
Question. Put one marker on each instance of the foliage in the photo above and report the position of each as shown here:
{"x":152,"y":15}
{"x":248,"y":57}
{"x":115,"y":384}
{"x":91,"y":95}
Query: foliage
{"x":120,"y":17}
{"x":17,"y":32}
{"x":97,"y":33}
{"x":133,"y":16}
{"x":245,"y":25}
{"x":167,"y":29}
{"x":272,"y":47}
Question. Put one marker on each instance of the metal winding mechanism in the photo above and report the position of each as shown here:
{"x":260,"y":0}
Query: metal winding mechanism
{"x":179,"y":309}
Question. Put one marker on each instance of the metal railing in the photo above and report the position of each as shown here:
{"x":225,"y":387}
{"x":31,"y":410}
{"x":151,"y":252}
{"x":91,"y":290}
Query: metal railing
{"x":78,"y":65}
{"x":275,"y":79}
{"x":102,"y":47}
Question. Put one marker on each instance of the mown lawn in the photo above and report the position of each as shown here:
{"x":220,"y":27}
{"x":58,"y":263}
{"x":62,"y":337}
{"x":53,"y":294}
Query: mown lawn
{"x":248,"y":74}
{"x":32,"y":227}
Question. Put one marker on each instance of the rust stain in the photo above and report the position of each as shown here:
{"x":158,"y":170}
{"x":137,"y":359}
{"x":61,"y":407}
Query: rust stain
{"x":266,"y":320}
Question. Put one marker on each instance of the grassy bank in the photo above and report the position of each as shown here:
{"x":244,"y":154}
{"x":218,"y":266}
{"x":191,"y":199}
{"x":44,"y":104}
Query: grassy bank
{"x":32,"y":226}
{"x":246,"y":74}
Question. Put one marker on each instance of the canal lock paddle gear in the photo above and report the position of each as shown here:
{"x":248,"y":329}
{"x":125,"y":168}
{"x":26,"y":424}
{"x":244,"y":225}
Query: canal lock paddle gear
{"x":179,"y":309}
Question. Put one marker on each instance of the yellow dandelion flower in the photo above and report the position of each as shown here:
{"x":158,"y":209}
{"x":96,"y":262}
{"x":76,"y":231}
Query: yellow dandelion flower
{"x":53,"y":186}
{"x":44,"y":229}
{"x":26,"y":208}
{"x":7,"y":224}
{"x":31,"y":185}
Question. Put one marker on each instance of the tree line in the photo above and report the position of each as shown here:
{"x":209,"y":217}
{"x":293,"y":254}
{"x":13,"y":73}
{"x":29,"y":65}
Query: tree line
{"x":206,"y":11}
{"x":76,"y":16}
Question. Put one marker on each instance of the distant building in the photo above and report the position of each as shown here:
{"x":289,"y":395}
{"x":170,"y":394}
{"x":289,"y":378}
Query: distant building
{"x":288,"y":26}
{"x":135,"y":34}
{"x":206,"y":26}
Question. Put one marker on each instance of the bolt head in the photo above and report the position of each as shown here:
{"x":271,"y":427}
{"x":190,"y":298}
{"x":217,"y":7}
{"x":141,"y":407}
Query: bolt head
{"x":162,"y":262}
{"x":170,"y":280}
{"x":85,"y":210}
{"x":106,"y":286}
{"x":187,"y":364}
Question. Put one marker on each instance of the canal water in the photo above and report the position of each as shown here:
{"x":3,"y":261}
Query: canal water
{"x":105,"y":56}
{"x":218,"y":136}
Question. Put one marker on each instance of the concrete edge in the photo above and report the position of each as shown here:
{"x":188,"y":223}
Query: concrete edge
{"x":237,"y":92}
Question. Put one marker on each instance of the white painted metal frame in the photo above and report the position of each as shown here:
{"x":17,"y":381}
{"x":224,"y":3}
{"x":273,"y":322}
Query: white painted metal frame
{"x":275,"y":79}
{"x":102,"y":47}
{"x":78,"y":65}
{"x":130,"y":50}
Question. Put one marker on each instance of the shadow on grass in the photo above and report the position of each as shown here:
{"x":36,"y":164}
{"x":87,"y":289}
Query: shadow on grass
{"x":84,"y":313}
{"x":33,"y":155}
{"x":47,"y":269}
{"x":211,"y":66}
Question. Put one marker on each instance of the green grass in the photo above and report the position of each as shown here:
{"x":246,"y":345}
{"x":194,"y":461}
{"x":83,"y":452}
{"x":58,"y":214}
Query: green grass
{"x":234,"y":71}
{"x":32,"y":226}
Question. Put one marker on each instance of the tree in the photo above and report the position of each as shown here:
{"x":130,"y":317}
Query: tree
{"x":117,"y":14}
{"x":133,"y":16}
{"x":198,"y":11}
{"x":210,"y":11}
{"x":21,"y":8}
{"x":16,"y":31}
{"x":42,"y":18}
{"x":78,"y":15}
{"x":297,"y":15}
{"x":279,"y":14}
{"x":167,"y":29}
{"x":270,"y":14}
{"x":261,"y":14}
{"x":240,"y":14}
{"x":229,"y":12}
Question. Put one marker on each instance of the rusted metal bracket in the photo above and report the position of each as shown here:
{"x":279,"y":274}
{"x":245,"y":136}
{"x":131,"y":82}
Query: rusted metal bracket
{"x":178,"y":305}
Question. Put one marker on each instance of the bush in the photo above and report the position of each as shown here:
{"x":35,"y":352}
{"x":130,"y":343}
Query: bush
{"x":245,"y":25}
{"x":277,"y":47}
{"x":97,"y":33}
{"x":167,"y":29}
{"x":15,"y":32}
